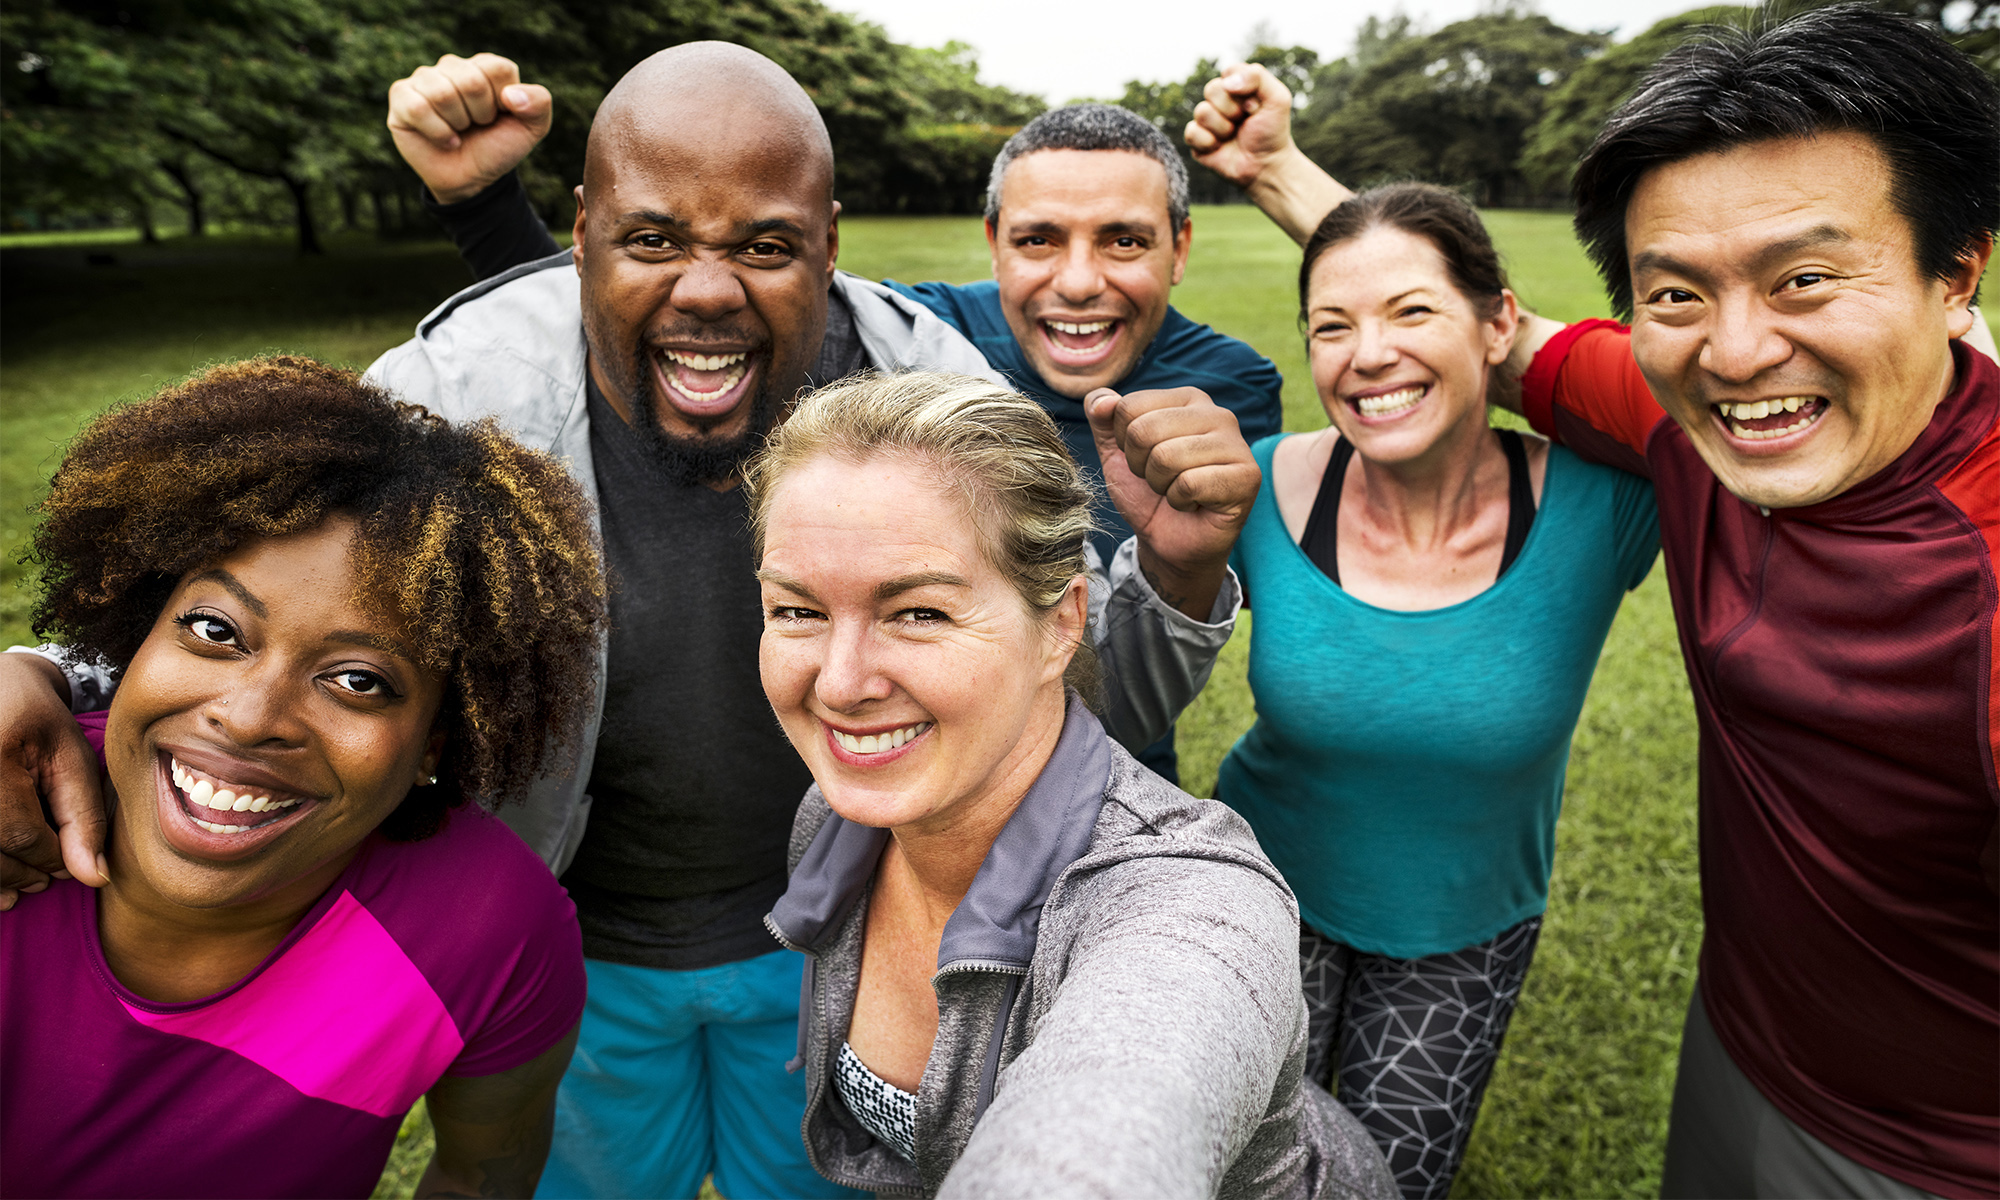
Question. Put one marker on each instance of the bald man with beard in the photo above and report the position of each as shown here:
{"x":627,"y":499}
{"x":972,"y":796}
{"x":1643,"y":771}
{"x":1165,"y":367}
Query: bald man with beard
{"x":700,"y":299}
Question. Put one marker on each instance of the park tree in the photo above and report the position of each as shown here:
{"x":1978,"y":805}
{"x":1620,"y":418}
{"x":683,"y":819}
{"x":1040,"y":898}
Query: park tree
{"x":1453,"y":107}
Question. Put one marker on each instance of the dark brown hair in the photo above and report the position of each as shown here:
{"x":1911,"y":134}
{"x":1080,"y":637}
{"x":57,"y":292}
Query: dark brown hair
{"x":1438,"y":215}
{"x":484,"y":548}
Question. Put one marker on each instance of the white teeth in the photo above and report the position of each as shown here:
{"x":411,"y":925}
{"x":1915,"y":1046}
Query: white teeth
{"x":1072,"y":327}
{"x":212,"y":827}
{"x":1397,"y":401}
{"x":706,"y":362}
{"x":204,"y":794}
{"x":876,"y":743}
{"x":1751,"y":410}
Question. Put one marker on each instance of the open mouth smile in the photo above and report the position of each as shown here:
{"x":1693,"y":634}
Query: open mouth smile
{"x":209,"y":816}
{"x":703,"y":385}
{"x":874,"y":749}
{"x":1382,"y":406}
{"x":1080,"y":343}
{"x":1765,"y":420}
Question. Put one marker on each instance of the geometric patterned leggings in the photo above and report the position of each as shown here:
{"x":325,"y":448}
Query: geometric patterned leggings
{"x":1414,"y":1040}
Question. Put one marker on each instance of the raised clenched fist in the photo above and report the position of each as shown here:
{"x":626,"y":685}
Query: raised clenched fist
{"x":466,"y":122}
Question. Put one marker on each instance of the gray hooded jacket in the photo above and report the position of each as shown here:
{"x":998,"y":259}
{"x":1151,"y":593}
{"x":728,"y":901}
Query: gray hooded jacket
{"x":1119,"y":1011}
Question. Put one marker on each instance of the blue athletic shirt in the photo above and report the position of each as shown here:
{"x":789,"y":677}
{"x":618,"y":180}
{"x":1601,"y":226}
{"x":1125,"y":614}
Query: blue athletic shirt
{"x":1183,"y":354}
{"x":1406,"y":768}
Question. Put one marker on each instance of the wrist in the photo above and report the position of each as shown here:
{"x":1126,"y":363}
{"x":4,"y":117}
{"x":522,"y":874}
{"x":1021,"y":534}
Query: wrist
{"x":1190,"y":586}
{"x":1296,"y":193}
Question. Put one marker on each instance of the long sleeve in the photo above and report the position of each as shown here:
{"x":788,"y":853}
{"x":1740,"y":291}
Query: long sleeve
{"x":1154,"y":658}
{"x":1160,"y":1055}
{"x":496,"y":229}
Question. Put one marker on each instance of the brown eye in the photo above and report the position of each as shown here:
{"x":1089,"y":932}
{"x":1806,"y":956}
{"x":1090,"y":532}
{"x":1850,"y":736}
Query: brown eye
{"x":206,"y":627}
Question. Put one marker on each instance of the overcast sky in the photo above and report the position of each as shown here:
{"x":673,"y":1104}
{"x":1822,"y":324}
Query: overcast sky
{"x":1063,"y":49}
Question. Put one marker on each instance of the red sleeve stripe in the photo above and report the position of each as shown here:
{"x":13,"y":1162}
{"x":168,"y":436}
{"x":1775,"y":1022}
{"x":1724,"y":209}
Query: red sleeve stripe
{"x":1973,"y":487}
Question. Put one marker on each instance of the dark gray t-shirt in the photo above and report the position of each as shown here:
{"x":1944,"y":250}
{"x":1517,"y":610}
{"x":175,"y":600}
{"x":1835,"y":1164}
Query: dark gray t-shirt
{"x":694,"y":785}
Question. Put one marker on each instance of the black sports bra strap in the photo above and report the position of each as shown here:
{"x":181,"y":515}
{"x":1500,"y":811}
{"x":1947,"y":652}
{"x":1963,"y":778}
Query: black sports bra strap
{"x":1520,"y":497}
{"x":1322,"y":536}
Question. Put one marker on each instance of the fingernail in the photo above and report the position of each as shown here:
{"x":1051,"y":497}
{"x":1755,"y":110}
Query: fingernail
{"x":452,"y":143}
{"x":516,"y":96}
{"x":62,"y":874}
{"x":104,"y":868}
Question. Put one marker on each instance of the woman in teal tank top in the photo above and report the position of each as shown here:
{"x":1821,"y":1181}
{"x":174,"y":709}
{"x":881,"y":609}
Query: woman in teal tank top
{"x":1431,"y":598}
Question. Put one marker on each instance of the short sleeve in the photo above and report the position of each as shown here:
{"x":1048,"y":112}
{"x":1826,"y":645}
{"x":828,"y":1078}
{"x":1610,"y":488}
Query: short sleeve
{"x":1636,"y":525}
{"x":533,"y":994}
{"x":1585,"y":391}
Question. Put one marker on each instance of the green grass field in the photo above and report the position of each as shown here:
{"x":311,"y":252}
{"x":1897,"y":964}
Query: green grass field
{"x":1578,"y":1105}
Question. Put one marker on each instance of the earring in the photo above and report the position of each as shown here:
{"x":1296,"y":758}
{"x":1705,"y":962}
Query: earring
{"x":427,"y":780}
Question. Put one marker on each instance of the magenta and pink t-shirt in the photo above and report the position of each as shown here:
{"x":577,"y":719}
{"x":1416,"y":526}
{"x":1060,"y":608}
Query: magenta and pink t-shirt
{"x":458,"y":955}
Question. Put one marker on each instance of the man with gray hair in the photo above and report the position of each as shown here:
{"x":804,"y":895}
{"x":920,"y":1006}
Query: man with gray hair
{"x":1087,"y":219}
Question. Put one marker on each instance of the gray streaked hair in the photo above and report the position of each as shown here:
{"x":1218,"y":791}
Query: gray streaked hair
{"x":1094,"y":127}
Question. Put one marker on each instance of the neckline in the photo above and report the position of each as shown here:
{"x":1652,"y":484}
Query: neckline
{"x":94,"y":939}
{"x":1551,"y":472}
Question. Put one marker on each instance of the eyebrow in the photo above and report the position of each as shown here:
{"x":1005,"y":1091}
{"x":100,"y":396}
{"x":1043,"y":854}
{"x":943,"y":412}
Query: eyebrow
{"x":234,"y":588}
{"x":744,"y":232}
{"x":883,"y":591}
{"x":907,"y":583}
{"x":1811,"y":239}
{"x":1115,"y":228}
{"x":374,"y":641}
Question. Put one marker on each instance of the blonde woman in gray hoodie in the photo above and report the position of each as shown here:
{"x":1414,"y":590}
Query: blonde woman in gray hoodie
{"x":1034,"y":967}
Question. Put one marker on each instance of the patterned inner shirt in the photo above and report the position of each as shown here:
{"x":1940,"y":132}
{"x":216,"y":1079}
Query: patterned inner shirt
{"x":885,"y":1110}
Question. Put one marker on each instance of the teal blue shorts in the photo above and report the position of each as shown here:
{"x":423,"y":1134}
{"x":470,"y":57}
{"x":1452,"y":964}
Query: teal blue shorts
{"x":679,"y":1075}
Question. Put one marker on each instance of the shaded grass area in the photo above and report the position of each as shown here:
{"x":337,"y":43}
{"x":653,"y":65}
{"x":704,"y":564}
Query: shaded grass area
{"x":1578,"y":1104}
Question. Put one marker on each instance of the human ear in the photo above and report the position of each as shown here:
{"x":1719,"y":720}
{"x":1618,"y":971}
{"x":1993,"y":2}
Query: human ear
{"x":576,"y":232}
{"x":1183,"y":240}
{"x":427,"y":768}
{"x":1502,"y":328}
{"x":1961,"y":288}
{"x":1068,"y":627}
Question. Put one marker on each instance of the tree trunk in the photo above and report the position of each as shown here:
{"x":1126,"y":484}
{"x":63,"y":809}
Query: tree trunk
{"x":302,"y":202}
{"x":197,"y":219}
{"x":350,"y":209}
{"x":144,"y":213}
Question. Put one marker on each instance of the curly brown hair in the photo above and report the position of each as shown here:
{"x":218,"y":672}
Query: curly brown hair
{"x":483,"y":547}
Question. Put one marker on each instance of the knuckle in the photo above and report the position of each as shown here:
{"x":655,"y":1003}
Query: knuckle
{"x":27,"y":839}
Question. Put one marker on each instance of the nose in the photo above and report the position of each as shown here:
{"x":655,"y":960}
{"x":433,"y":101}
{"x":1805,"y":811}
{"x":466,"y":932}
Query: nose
{"x":708,"y":290}
{"x":1374,"y":348}
{"x":1741,"y":342}
{"x":1080,"y":278}
{"x":850,"y":675}
{"x":260,"y":707}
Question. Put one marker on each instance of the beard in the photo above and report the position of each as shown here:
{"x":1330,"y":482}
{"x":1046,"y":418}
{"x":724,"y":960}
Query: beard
{"x":699,"y":460}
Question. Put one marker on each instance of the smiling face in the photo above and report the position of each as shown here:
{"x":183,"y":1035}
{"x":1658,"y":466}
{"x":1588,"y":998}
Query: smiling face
{"x":706,"y":250}
{"x":1780,"y":318}
{"x":907,"y":670}
{"x":1085,"y":254}
{"x":1400,"y":356}
{"x":267,"y":724}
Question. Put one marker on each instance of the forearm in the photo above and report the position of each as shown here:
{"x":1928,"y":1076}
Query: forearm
{"x":495,"y":230}
{"x":1154,"y":656}
{"x":84,"y":687}
{"x":1295,"y":193}
{"x":1503,"y":385}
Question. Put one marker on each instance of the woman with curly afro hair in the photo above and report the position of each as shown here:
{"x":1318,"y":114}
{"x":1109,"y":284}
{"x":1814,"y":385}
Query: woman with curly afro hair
{"x":338,"y":624}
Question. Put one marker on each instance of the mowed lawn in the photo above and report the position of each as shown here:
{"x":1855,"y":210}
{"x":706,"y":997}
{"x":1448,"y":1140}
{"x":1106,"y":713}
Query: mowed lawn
{"x":1578,"y":1105}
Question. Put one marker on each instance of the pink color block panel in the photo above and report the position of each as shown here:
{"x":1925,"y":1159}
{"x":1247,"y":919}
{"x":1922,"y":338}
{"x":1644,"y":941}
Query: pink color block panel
{"x":344,"y":1016}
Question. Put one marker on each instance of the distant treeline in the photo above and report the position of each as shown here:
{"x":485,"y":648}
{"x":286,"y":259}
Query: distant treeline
{"x":269,"y":112}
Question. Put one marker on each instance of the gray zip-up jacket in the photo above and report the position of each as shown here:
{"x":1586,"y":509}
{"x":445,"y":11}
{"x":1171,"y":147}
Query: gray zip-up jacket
{"x":1119,"y":1010}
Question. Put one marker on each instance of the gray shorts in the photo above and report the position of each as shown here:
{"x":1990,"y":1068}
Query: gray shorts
{"x":1726,"y":1140}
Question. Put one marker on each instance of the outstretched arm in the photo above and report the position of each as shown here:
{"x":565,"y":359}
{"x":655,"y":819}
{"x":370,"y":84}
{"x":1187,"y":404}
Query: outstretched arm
{"x":493,"y":1131}
{"x":1242,"y":130}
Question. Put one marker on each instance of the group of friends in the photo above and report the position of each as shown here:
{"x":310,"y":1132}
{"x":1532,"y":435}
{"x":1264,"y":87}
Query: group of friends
{"x":412,"y":734}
